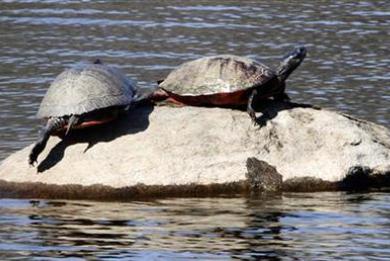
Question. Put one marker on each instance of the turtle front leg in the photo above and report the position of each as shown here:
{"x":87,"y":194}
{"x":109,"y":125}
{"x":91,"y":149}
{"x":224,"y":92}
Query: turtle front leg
{"x":51,"y":126}
{"x":282,"y":97}
{"x":249,"y":107}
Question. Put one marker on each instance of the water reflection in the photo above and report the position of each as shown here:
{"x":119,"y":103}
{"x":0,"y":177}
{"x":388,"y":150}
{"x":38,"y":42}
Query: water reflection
{"x":346,"y":68}
{"x":302,"y":226}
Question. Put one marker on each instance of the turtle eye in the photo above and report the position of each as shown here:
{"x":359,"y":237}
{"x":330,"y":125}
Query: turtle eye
{"x":302,"y":51}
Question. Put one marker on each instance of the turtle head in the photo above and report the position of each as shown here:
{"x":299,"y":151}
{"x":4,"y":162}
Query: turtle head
{"x":290,"y":62}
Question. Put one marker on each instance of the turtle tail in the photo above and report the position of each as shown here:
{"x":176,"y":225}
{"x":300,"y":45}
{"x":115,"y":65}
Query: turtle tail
{"x":53,"y":124}
{"x":290,"y":62}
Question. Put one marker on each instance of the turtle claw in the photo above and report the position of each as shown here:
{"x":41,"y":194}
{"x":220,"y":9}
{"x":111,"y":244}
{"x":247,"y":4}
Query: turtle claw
{"x":253,"y":117}
{"x":32,"y":162}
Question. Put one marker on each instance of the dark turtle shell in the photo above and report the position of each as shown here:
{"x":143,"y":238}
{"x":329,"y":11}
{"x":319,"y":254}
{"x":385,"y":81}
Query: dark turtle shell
{"x":215,"y":75}
{"x":86,"y":88}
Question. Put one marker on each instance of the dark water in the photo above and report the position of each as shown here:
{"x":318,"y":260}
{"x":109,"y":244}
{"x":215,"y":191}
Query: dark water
{"x":324,"y":226}
{"x":347,"y":68}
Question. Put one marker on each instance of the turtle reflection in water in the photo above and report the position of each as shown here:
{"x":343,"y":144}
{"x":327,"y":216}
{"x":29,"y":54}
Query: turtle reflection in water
{"x":80,"y":97}
{"x":227,"y":81}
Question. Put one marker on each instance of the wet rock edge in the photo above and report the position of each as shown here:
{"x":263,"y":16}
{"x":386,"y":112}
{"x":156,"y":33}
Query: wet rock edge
{"x":358,"y":179}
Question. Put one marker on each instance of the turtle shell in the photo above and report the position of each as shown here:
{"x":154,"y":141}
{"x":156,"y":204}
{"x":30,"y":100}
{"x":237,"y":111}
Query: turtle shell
{"x":86,"y":88}
{"x":215,"y":75}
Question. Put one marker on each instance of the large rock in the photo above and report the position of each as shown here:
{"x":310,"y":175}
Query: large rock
{"x":202,"y":149}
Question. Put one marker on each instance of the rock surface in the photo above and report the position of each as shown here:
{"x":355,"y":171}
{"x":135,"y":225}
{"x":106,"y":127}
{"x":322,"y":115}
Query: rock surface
{"x":164,"y":146}
{"x":262,"y":177}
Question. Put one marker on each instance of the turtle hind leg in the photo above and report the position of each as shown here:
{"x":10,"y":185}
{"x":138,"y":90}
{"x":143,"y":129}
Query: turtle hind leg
{"x":249,"y":107}
{"x":52,"y":125}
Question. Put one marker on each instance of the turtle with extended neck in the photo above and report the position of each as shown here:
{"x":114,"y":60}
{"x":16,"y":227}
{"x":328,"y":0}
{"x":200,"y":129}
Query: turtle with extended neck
{"x":227,"y":81}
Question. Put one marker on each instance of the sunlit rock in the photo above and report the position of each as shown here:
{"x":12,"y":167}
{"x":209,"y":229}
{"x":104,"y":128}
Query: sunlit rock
{"x":203,"y":151}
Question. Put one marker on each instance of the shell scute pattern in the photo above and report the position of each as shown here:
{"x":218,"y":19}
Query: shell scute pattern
{"x":217,"y":74}
{"x":86,"y":88}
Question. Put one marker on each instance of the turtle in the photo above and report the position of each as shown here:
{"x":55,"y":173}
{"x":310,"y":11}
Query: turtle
{"x":82,"y":96}
{"x":227,"y":81}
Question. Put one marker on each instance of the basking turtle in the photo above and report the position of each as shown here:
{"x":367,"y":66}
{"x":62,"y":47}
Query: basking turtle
{"x":80,"y":97}
{"x":227,"y":81}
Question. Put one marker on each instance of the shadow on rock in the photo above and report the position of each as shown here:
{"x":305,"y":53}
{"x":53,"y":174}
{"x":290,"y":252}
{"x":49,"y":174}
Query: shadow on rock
{"x":136,"y":120}
{"x":269,"y":109}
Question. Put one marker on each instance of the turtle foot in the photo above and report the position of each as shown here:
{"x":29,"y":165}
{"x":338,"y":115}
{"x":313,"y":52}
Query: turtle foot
{"x":252,"y":114}
{"x":259,"y":122}
{"x":262,"y":120}
{"x":32,"y":160}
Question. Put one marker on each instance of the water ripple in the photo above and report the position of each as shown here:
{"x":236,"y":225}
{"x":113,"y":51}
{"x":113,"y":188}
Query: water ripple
{"x":346,"y":67}
{"x":213,"y":228}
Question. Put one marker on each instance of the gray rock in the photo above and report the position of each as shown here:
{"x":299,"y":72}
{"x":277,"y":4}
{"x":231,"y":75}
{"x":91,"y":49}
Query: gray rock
{"x":192,"y":148}
{"x":262,"y":177}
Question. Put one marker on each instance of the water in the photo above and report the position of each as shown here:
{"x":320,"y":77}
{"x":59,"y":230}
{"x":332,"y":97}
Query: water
{"x":347,"y":68}
{"x":321,"y":226}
